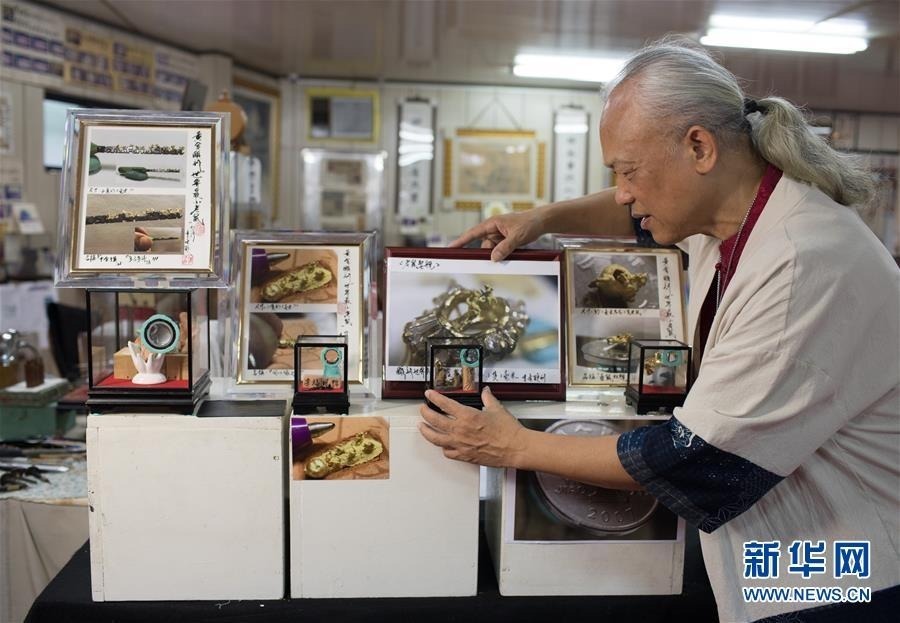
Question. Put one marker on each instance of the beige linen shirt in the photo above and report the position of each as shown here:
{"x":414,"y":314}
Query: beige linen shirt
{"x":800,"y":377}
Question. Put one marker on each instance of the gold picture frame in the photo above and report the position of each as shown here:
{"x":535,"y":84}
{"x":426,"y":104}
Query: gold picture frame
{"x":267,"y":319}
{"x":482,"y":165}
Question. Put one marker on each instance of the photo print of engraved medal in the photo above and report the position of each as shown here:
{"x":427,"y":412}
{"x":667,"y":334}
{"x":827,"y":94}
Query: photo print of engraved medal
{"x":596,"y":509}
{"x":552,"y":508}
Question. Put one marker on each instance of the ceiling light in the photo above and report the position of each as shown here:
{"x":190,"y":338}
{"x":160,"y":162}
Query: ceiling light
{"x":563,"y":67}
{"x":796,"y":35}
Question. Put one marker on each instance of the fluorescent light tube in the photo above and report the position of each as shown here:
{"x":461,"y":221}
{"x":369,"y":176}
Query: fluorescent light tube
{"x":774,"y":40}
{"x":833,"y":36}
{"x":582,"y":68}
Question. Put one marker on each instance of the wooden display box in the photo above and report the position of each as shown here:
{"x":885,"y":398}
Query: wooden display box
{"x":185,"y":508}
{"x":176,"y":366}
{"x":407,"y":527}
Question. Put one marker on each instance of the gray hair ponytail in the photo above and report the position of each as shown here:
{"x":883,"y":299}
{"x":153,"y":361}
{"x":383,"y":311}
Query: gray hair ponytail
{"x":678,"y":81}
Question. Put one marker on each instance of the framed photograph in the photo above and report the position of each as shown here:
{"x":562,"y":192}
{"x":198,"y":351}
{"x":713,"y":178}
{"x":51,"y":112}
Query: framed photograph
{"x":143,"y":193}
{"x":262,"y":134}
{"x":494,"y":165}
{"x":615,"y":294}
{"x":342,"y":190}
{"x":342,"y":114}
{"x":293,"y":285}
{"x":512,"y":308}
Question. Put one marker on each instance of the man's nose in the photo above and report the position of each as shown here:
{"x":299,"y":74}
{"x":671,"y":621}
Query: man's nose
{"x":623,"y":197}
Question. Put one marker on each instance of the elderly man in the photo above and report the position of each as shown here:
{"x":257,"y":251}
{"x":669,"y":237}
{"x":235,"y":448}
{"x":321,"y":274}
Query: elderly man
{"x":789,"y":440}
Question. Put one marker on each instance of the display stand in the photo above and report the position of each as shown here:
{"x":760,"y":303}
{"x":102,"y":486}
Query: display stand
{"x":404,"y":525}
{"x":185,"y":507}
{"x":646,"y":561}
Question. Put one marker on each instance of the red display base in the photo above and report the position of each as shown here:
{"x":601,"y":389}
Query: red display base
{"x":111,"y":382}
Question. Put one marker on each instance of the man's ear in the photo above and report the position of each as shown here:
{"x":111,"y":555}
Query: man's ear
{"x":702,"y":147}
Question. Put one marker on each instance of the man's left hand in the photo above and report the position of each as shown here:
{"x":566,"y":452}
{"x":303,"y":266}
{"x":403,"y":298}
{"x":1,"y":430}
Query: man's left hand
{"x":491,"y":437}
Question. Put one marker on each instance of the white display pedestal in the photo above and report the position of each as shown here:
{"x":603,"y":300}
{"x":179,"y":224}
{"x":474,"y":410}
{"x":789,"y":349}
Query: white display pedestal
{"x":607,"y":566}
{"x":414,"y":534}
{"x":185,"y":508}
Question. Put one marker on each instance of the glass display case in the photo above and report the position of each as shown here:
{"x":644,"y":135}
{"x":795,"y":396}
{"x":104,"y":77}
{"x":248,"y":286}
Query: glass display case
{"x":455,"y":369}
{"x":320,"y":374}
{"x":148,"y":350}
{"x":659,"y":375}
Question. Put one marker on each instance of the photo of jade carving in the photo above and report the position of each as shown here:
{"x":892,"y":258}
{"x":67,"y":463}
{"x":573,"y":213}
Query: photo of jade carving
{"x":124,"y":224}
{"x":340,"y":448}
{"x":553,"y":508}
{"x":137,"y":158}
{"x":293,"y":285}
{"x":293,"y":276}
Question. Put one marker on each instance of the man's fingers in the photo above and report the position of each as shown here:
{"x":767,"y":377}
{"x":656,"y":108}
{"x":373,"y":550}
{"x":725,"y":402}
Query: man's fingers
{"x":445,"y":404}
{"x":487,"y":243}
{"x":489,"y":400}
{"x":439,"y":439}
{"x":503,"y":249}
{"x":473,"y":233}
{"x":437,"y":421}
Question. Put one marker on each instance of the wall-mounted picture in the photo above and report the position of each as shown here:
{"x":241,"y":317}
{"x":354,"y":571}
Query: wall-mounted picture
{"x":342,"y":114}
{"x":262,"y":134}
{"x":614,"y":295}
{"x":511,"y":309}
{"x":298,"y":285}
{"x":142,"y":194}
{"x":552,"y":508}
{"x":340,"y":448}
{"x":343,"y":190}
{"x":499,"y":165}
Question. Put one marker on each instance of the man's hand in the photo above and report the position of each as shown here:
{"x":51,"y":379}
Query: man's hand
{"x":492,"y":437}
{"x":504,"y":233}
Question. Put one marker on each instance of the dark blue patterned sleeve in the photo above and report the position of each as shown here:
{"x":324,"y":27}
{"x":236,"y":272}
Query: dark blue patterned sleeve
{"x":694,"y":479}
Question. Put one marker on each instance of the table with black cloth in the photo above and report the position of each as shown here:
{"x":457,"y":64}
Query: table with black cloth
{"x":67,"y":599}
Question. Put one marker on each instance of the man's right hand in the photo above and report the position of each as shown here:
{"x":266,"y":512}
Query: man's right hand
{"x":504,"y":233}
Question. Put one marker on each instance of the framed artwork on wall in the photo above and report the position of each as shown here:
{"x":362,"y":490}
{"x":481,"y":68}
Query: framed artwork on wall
{"x":262,"y":135}
{"x":494,"y":165}
{"x":293,"y":285}
{"x":143,"y":193}
{"x":342,"y":114}
{"x":343,"y":190}
{"x":512,"y":308}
